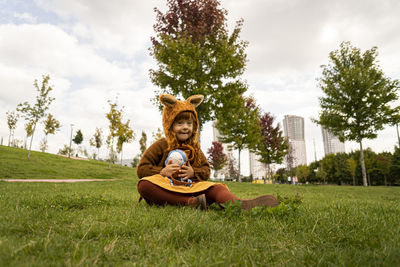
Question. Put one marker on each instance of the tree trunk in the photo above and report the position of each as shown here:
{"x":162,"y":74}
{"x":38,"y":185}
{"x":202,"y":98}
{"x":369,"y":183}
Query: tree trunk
{"x":9,"y":137}
{"x":384,"y":179}
{"x":398,"y":136}
{"x":354,"y":180}
{"x":70,"y":143}
{"x":111,"y":153}
{"x":239,"y":166}
{"x":30,"y":146}
{"x":121,"y":154}
{"x":270,"y":176}
{"x":265,"y":178}
{"x":364,"y":173}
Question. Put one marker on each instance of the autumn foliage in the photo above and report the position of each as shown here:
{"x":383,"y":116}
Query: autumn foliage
{"x":190,"y":18}
{"x":216,"y":156}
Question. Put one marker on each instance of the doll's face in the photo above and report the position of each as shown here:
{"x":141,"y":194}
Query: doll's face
{"x":183,"y":128}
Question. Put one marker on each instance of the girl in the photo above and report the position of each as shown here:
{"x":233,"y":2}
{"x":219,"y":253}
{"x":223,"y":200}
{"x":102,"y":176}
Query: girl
{"x":157,"y":184}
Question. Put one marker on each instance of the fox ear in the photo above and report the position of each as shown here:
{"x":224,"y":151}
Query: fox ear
{"x":195,"y":100}
{"x":168,"y":100}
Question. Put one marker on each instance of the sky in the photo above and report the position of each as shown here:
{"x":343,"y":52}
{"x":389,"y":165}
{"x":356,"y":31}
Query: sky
{"x":95,"y":51}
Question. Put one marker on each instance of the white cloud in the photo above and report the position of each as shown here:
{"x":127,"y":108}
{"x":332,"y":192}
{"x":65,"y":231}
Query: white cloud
{"x":97,"y":50}
{"x":122,"y":26}
{"x":82,"y":80}
{"x":25,"y":17}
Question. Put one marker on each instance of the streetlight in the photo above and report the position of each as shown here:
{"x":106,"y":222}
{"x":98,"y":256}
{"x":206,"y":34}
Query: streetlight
{"x":398,"y":137}
{"x":70,"y":142}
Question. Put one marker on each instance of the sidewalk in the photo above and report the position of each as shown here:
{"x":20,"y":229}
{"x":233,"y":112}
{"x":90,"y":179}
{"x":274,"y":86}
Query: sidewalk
{"x":56,"y":180}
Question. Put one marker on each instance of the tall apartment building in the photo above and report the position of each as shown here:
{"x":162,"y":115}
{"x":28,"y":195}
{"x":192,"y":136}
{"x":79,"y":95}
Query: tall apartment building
{"x":293,"y":127}
{"x":332,"y":144}
{"x":257,"y":168}
{"x":216,"y":137}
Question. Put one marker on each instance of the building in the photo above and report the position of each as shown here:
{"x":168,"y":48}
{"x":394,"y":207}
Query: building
{"x":257,"y":168}
{"x":293,"y":127}
{"x":332,"y":144}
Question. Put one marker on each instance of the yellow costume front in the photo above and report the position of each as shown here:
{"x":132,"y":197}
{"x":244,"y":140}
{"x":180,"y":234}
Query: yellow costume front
{"x":165,"y":183}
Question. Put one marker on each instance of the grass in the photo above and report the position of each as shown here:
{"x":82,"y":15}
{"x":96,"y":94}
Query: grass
{"x":102,"y":223}
{"x":14,"y":164}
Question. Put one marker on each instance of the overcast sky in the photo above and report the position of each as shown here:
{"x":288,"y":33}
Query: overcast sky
{"x":98,"y":50}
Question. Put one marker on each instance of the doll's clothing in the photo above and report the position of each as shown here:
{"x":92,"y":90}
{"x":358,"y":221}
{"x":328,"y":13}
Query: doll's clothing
{"x":153,"y":161}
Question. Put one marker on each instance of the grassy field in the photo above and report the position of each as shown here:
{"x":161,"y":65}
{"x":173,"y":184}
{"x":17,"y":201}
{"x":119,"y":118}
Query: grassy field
{"x":14,"y":164}
{"x":102,"y":223}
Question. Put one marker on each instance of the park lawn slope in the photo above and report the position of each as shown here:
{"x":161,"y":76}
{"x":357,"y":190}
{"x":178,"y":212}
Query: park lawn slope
{"x":14,"y":164}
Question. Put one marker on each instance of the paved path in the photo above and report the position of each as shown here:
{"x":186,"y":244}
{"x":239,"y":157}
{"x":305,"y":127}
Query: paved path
{"x":56,"y":180}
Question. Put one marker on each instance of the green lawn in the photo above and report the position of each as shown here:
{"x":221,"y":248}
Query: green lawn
{"x":102,"y":223}
{"x":14,"y":164}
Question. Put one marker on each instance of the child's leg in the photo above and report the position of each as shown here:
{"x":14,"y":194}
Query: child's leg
{"x":220,"y":194}
{"x":154,"y":194}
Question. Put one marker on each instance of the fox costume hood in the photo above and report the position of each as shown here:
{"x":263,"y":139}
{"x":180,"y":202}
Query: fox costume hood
{"x":152,"y":161}
{"x":172,"y":107}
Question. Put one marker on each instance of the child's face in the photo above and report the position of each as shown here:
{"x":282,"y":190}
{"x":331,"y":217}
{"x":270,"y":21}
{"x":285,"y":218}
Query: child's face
{"x":183,"y":129}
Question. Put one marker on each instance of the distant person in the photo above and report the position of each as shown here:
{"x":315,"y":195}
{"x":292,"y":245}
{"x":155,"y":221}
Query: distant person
{"x":164,"y":183}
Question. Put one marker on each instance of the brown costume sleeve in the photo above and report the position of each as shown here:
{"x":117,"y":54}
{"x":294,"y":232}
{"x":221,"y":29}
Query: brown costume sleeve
{"x":202,"y":172}
{"x":151,"y":162}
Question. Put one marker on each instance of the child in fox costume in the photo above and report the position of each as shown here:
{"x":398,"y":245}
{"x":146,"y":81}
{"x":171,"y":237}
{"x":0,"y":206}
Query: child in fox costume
{"x":169,"y":183}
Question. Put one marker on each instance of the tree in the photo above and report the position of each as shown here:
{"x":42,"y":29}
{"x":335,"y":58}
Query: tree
{"x":290,"y":160}
{"x":97,"y":141}
{"x":232,"y":170}
{"x":33,"y":114}
{"x":313,"y":171}
{"x":239,"y":126}
{"x":157,"y":135}
{"x":142,"y":143}
{"x":281,"y":175}
{"x":66,"y":150}
{"x":352,"y":167}
{"x":78,"y":139}
{"x":43,"y":145}
{"x":272,"y":146}
{"x":328,"y":168}
{"x":383,"y":162}
{"x":114,"y":116}
{"x":341,"y":170}
{"x":125,"y":135}
{"x":12,"y":119}
{"x":357,"y":96}
{"x":195,"y":54}
{"x":216,"y":157}
{"x":395,"y":167}
{"x":135,"y":161}
{"x":370,"y":166}
{"x":29,"y":131}
{"x":302,"y":172}
{"x":51,"y":125}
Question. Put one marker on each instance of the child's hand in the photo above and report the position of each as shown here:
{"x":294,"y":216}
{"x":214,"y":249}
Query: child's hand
{"x":186,"y":172}
{"x":170,"y":169}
